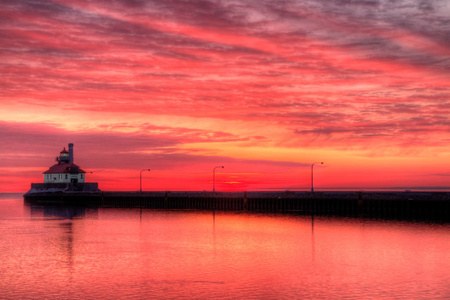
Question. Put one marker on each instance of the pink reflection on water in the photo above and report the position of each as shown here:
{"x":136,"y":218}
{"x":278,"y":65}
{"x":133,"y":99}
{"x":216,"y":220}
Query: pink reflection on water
{"x":116,"y":253}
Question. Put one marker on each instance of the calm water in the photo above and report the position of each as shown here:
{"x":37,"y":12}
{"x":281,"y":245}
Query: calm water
{"x":128,"y":254}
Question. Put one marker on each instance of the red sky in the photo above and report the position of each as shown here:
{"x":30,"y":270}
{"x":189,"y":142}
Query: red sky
{"x":264,"y":88}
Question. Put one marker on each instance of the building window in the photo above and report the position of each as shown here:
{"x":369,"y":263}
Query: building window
{"x":81,"y":176}
{"x":66,"y":176}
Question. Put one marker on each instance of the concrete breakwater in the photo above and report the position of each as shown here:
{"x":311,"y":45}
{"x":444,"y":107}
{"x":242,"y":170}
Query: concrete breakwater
{"x":403,"y":205}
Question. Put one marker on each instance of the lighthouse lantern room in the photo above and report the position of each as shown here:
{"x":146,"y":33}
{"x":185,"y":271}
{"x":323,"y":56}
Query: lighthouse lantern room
{"x":65,"y":171}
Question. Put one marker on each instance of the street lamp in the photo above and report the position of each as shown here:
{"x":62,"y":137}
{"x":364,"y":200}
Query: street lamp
{"x":214,"y":177}
{"x":140,"y":178}
{"x":312,"y":176}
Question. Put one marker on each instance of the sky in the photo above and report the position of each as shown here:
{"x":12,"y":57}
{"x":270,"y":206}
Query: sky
{"x":264,"y":88}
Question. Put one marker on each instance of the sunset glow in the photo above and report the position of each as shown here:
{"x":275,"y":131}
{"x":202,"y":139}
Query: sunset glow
{"x":263,"y":88}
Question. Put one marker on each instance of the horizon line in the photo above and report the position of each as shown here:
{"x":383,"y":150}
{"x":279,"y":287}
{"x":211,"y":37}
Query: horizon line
{"x":360,"y":188}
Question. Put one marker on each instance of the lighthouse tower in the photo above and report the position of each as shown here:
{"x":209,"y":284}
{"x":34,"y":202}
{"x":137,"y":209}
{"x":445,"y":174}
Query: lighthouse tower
{"x":65,"y":171}
{"x":64,"y":156}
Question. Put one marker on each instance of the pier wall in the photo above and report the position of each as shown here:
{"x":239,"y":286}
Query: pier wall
{"x":403,"y":205}
{"x":80,"y":187}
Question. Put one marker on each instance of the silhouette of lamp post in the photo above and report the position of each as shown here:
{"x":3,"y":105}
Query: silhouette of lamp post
{"x":214,"y":177}
{"x":312,"y":174}
{"x":140,"y":178}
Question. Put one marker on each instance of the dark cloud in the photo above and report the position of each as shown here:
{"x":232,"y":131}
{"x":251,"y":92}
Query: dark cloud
{"x":395,"y":129}
{"x":204,"y":13}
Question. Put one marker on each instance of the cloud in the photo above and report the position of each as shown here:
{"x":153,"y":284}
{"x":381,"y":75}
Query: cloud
{"x":170,"y":80}
{"x":155,"y":145}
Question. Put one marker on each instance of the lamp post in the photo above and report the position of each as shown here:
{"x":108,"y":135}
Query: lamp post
{"x":214,"y":177}
{"x":312,"y":174}
{"x":140,"y":178}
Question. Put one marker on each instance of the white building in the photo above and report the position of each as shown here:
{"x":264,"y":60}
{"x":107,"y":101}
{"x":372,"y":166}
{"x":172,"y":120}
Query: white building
{"x":65,"y":171}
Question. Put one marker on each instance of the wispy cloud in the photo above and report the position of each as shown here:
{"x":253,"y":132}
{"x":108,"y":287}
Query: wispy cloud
{"x":217,"y":76}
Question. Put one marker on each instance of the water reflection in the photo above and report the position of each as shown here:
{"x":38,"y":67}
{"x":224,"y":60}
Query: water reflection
{"x":313,"y":244}
{"x":62,"y":212}
{"x":133,"y":253}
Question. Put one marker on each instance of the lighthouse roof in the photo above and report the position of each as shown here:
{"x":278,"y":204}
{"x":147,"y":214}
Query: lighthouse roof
{"x":64,"y":150}
{"x":64,"y":168}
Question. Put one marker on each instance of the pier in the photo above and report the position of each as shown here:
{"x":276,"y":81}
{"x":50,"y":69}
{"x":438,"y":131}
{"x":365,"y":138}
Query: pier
{"x":65,"y":184}
{"x":395,"y":205}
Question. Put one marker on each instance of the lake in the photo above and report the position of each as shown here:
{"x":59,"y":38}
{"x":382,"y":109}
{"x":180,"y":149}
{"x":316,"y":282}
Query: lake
{"x":106,"y":253}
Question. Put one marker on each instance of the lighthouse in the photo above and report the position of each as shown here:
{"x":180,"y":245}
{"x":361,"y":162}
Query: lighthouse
{"x":65,"y":171}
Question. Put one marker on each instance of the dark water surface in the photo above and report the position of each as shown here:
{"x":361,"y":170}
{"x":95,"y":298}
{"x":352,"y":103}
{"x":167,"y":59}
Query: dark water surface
{"x":67,"y":253}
